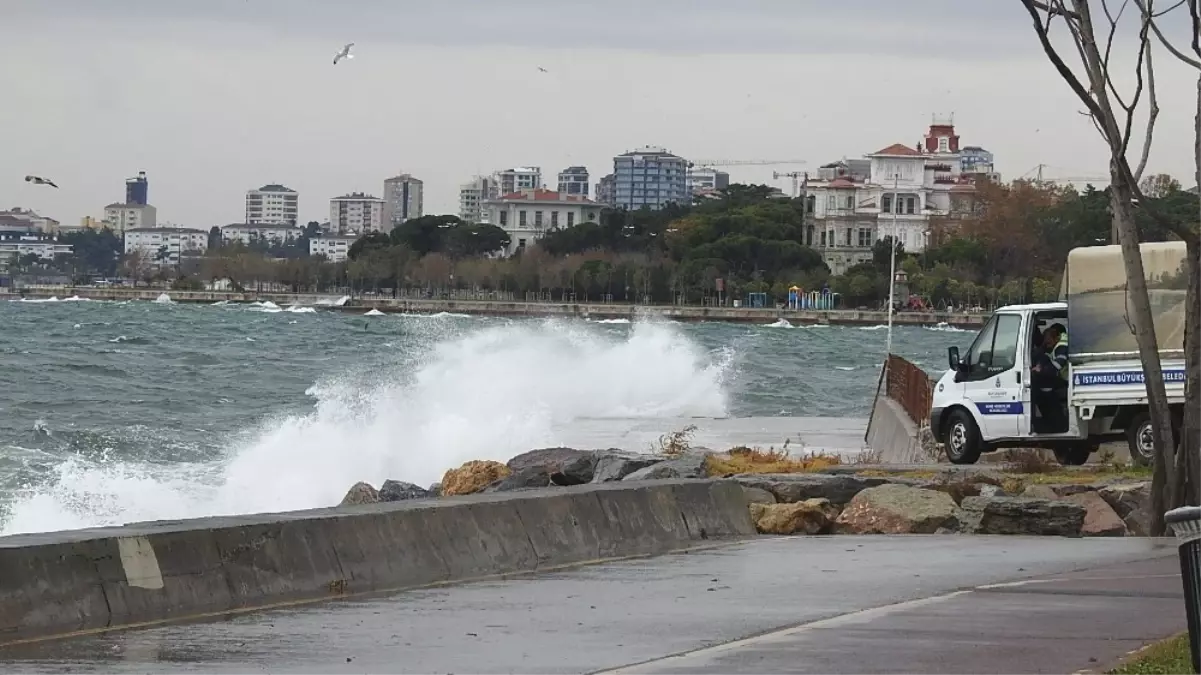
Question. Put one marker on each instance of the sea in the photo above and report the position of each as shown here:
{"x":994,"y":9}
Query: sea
{"x":119,"y":412}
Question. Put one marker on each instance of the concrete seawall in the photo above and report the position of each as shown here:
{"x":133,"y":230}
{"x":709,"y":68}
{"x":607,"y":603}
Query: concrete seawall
{"x":62,"y":583}
{"x":519,"y":309}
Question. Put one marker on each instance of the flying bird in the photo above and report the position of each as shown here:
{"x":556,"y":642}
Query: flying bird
{"x":543,"y":69}
{"x":38,"y":180}
{"x":344,"y":54}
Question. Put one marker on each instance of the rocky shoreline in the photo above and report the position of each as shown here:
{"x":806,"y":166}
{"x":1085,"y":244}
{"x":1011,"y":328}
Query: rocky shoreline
{"x":832,"y":499}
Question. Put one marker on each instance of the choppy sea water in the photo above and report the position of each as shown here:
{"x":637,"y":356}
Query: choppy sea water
{"x":119,"y":412}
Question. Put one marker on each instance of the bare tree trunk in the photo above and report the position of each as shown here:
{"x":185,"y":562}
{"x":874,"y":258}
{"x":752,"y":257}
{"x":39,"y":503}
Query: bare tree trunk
{"x":1188,"y":452}
{"x":1163,"y":483}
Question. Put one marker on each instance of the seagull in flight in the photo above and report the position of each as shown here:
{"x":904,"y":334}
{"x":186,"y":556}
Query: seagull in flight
{"x":543,"y":69}
{"x":38,"y":180}
{"x":344,"y":53}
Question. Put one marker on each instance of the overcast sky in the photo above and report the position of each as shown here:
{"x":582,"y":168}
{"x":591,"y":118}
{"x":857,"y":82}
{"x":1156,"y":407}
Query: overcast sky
{"x":215,"y":97}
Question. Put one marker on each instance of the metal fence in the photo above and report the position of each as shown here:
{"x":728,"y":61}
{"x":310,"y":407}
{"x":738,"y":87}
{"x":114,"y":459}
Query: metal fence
{"x":910,"y":386}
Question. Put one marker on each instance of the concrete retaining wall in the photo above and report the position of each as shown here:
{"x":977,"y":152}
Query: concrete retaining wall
{"x":894,"y":436}
{"x":525,"y":309}
{"x":60,"y":583}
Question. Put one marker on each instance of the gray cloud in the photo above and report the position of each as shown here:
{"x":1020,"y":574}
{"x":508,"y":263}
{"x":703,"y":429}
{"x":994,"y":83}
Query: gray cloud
{"x":933,"y":28}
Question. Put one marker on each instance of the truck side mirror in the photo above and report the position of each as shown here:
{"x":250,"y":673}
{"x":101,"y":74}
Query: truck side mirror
{"x":953,"y":357}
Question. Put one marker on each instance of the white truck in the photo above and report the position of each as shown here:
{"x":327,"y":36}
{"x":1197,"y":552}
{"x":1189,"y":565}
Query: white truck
{"x":987,"y":399}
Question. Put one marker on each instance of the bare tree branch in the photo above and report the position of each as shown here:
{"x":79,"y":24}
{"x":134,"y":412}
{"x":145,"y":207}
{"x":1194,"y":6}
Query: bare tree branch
{"x":1052,"y":8}
{"x":1175,"y":51}
{"x":1153,"y":115}
{"x":1113,"y":30}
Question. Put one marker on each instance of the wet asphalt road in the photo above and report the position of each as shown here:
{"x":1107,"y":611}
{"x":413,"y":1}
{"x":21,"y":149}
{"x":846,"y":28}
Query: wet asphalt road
{"x":763,"y":606}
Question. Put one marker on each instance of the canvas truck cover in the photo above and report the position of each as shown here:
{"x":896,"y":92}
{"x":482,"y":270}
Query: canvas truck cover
{"x":1094,"y":288}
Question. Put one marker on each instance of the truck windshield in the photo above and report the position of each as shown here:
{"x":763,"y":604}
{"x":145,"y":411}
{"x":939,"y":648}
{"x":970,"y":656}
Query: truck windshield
{"x":995,"y":348}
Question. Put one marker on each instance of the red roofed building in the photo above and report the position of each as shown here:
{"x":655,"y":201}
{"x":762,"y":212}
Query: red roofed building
{"x":893,"y":191}
{"x":527,"y":215}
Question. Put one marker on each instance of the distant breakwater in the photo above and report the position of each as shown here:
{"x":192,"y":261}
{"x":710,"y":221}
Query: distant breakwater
{"x":499,"y":308}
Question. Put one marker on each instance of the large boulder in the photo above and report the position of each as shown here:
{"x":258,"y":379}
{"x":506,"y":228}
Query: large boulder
{"x":551,"y":459}
{"x":1132,"y":503}
{"x":1100,"y":520}
{"x":1037,"y":491}
{"x":360,"y":493}
{"x":529,"y":477}
{"x":789,"y":487}
{"x":1019,"y":515}
{"x":756,"y":495}
{"x":812,"y":516}
{"x":896,"y":509}
{"x":473,"y":476}
{"x":686,"y":466}
{"x":615,"y":465}
{"x":576,"y":472}
{"x":398,"y":491}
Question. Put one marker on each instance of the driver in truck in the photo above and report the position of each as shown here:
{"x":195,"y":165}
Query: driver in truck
{"x":1050,"y":378}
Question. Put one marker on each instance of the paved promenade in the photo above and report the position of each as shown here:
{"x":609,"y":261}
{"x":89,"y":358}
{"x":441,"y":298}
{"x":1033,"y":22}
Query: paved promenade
{"x":915,"y":604}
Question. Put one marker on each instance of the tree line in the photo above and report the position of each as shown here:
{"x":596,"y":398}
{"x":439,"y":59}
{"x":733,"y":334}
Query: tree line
{"x":1008,"y":244}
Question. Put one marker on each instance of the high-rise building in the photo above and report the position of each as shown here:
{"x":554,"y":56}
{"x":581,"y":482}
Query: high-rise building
{"x":137,"y":189}
{"x":272,"y":205}
{"x":402,"y":200}
{"x":705,"y":178}
{"x":519,"y":178}
{"x":121,"y":217}
{"x":606,"y":189}
{"x":574,"y":181}
{"x":650,"y":177}
{"x":472,"y":197}
{"x":356,"y":213}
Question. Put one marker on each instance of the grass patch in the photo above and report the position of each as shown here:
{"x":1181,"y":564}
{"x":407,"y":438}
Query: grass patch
{"x":1169,"y":657}
{"x":1074,"y":477}
{"x":1030,"y":461}
{"x":756,"y":460}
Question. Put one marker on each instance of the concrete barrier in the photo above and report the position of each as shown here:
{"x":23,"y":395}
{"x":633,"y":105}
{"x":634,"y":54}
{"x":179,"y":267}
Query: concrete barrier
{"x":62,"y":583}
{"x":894,"y":436}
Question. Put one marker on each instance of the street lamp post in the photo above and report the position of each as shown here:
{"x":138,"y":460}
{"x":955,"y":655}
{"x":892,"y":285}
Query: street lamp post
{"x":892,"y":263}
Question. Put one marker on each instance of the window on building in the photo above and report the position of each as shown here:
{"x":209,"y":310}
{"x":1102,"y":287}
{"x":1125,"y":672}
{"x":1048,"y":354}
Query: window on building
{"x":592,"y":216}
{"x":831,"y":202}
{"x":521,"y":218}
{"x":849,"y":234}
{"x":865,"y":237}
{"x":537,"y":219}
{"x":521,"y":243}
{"x":850,"y":201}
{"x":554,"y":219}
{"x":910,"y":205}
{"x":886,"y":204}
{"x":944,"y":144}
{"x":570,"y":218}
{"x":823,"y":242}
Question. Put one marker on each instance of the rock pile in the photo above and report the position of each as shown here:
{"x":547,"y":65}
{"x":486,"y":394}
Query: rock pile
{"x":841,"y":500}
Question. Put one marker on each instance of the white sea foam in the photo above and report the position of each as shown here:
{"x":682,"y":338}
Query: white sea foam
{"x":334,"y":303}
{"x":373,"y":312}
{"x":164,"y":299}
{"x":945,"y":327}
{"x":488,"y":393}
{"x":780,"y":323}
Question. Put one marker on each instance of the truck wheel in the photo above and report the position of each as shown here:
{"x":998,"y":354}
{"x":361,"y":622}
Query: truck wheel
{"x":1075,"y":455}
{"x":963,"y":438}
{"x":1140,"y":436}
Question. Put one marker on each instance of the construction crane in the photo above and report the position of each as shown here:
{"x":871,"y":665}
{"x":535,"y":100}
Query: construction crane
{"x":799,"y":178}
{"x":746,"y":162}
{"x":1041,"y":178}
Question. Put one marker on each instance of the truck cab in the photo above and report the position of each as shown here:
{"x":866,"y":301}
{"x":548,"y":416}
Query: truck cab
{"x":989,"y":398}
